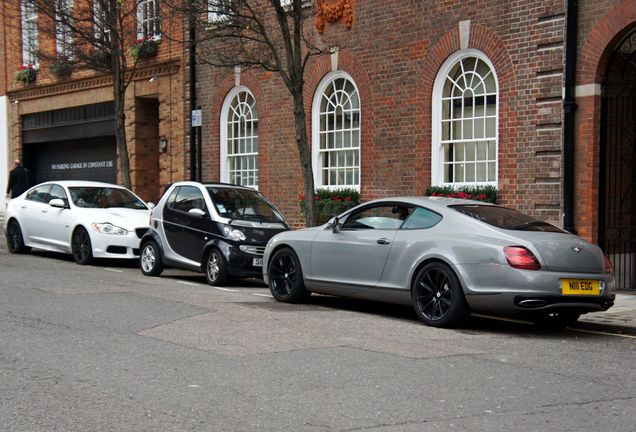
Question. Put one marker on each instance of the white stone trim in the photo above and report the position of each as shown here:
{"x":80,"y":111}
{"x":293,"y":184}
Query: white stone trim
{"x":237,"y":76}
{"x":334,"y":58}
{"x":464,"y":34}
{"x":586,"y":90}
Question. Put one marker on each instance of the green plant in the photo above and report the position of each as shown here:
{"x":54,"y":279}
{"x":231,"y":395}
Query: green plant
{"x":145,"y":47}
{"x":477,"y":193}
{"x":26,"y":74}
{"x":332,"y":202}
{"x":62,"y":67}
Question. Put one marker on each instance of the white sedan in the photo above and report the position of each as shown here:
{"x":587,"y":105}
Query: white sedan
{"x":87,"y":219}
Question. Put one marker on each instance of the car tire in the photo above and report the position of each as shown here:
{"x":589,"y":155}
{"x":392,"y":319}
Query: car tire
{"x":81,"y":246}
{"x":438,"y":297}
{"x":15,"y":240}
{"x":286,"y":277}
{"x":150,"y":260}
{"x":215,"y":268}
{"x":555,"y":320}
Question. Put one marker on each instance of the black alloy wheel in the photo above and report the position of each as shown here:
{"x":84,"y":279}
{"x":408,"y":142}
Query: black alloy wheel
{"x":81,"y":246}
{"x":438,"y":298}
{"x":286,"y":277}
{"x":150,"y":261}
{"x":15,"y":241}
{"x":215,"y":268}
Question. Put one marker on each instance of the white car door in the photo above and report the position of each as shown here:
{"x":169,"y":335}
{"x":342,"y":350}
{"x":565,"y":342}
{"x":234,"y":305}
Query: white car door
{"x":58,"y":220}
{"x":31,"y":214}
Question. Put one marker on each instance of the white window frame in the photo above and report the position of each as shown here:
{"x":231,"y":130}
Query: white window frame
{"x":30,"y":34}
{"x":437,"y":148}
{"x":101,"y":30}
{"x":224,"y":139}
{"x":63,"y":30}
{"x":149,"y":18}
{"x":315,"y":132}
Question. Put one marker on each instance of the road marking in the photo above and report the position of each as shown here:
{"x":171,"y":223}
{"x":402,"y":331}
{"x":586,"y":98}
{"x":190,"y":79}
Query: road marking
{"x":262,"y":295}
{"x":113,"y":270}
{"x":603,"y":333}
{"x":225,"y":289}
{"x":188,"y":283}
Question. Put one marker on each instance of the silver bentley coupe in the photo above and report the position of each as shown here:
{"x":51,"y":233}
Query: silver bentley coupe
{"x":446,"y":257}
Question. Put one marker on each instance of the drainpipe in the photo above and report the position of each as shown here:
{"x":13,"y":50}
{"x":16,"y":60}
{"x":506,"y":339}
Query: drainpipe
{"x":195,"y":132}
{"x":569,"y":110}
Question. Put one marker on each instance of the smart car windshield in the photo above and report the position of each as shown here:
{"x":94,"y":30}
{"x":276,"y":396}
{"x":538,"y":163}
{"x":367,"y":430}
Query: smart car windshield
{"x":244,"y":204}
{"x":105,"y":197}
{"x":505,"y":218}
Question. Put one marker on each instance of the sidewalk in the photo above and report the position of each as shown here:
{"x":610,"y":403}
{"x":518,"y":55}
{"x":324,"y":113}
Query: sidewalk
{"x":621,"y":316}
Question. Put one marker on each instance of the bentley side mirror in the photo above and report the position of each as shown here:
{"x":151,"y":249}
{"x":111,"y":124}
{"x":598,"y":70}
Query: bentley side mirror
{"x":335,"y":224}
{"x":150,"y":205}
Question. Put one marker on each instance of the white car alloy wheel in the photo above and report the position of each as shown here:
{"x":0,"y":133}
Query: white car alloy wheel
{"x":150,"y":259}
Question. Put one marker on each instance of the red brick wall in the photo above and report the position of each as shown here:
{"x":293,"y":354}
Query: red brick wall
{"x":393,"y":53}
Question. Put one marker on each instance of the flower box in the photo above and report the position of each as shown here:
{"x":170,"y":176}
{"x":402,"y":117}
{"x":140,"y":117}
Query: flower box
{"x":476,"y":193}
{"x":330,"y":203}
{"x":145,"y":47}
{"x":26,"y":74}
{"x":61,"y":67}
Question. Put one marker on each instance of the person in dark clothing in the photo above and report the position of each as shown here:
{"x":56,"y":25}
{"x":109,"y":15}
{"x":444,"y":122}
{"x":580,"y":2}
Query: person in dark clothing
{"x":18,"y":180}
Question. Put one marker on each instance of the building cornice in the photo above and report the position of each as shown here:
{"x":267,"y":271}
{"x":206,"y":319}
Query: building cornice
{"x":90,"y":83}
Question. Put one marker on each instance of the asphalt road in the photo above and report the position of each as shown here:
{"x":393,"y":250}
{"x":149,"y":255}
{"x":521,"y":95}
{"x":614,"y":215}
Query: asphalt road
{"x":102,"y":348}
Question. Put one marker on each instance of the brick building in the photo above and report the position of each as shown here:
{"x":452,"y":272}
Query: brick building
{"x":451,"y":93}
{"x":59,"y":125}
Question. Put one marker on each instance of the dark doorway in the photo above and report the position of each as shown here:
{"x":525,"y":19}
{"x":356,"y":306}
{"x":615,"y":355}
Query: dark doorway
{"x":617,"y":198}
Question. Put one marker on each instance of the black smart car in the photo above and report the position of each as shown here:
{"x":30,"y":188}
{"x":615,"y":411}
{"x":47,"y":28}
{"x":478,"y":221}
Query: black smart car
{"x":218,"y":229}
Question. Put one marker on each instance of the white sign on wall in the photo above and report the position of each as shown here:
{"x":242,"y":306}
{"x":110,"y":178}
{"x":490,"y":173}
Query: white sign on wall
{"x":197,"y":121}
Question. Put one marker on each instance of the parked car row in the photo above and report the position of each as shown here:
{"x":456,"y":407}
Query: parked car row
{"x":446,"y":257}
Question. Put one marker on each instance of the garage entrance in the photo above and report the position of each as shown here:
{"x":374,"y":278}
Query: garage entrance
{"x":71,"y":144}
{"x":617,"y":188}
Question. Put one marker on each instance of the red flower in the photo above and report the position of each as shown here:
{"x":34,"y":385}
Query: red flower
{"x":347,"y":199}
{"x":301,"y":197}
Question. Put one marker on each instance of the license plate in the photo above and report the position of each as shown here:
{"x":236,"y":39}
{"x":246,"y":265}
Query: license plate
{"x":257,"y":262}
{"x":580,"y":287}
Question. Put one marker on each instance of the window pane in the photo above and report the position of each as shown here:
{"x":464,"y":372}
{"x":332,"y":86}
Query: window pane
{"x":242,"y":140}
{"x":471,"y":114}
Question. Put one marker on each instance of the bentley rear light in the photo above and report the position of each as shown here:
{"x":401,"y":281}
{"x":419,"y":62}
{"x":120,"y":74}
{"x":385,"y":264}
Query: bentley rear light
{"x":608,"y":265}
{"x":521,"y":258}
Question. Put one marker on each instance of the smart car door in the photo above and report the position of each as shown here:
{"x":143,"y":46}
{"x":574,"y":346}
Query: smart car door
{"x":186,"y":222}
{"x":355,"y":255}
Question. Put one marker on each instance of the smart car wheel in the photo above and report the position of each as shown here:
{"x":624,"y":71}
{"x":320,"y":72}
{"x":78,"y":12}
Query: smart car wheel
{"x":438,"y":297}
{"x":555,"y":320}
{"x":81,"y":246}
{"x":215,"y":268}
{"x":286,"y":277}
{"x":15,"y":241}
{"x":150,"y":259}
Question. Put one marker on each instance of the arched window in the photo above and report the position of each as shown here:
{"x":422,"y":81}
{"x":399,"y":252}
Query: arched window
{"x":336,"y":132}
{"x":465,"y":121}
{"x":239,"y":138}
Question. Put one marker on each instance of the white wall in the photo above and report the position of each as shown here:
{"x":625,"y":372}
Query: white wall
{"x":4,"y":149}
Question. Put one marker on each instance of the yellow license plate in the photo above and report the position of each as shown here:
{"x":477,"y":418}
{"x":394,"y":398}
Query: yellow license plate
{"x":580,"y":287}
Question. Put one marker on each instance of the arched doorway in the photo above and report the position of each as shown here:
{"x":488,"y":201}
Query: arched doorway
{"x":617,"y":206}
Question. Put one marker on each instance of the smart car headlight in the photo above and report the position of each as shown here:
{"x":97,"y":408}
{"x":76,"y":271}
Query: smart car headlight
{"x":108,"y":228}
{"x":233,"y":233}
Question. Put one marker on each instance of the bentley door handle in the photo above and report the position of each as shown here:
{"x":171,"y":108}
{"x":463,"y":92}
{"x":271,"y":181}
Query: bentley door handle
{"x":383,"y":241}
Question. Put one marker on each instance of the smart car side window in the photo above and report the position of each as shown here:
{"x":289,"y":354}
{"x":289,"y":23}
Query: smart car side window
{"x":39,"y":194}
{"x":188,"y":198}
{"x":170,"y":203}
{"x":421,"y":218}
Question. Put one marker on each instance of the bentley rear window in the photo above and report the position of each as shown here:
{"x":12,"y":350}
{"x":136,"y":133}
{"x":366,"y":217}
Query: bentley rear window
{"x":505,"y":218}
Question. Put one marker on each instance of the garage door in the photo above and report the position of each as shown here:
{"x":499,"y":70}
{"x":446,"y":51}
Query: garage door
{"x":84,"y":159}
